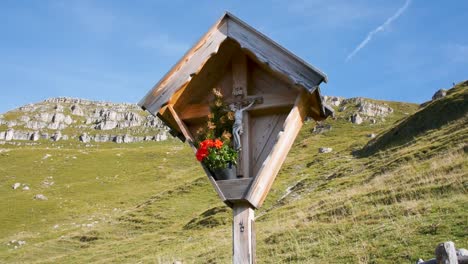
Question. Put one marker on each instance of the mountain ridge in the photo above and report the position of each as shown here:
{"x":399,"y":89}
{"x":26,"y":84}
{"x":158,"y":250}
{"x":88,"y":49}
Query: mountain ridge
{"x":150,"y":201}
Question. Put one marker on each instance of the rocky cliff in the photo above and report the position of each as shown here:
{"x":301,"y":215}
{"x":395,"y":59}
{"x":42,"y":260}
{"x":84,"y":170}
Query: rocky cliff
{"x":88,"y":121}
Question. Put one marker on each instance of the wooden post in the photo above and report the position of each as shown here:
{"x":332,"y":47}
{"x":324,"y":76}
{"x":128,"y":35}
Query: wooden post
{"x":243,"y":234}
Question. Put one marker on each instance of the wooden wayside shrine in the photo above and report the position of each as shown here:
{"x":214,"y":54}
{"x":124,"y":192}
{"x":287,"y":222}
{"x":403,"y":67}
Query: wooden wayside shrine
{"x":247,"y":67}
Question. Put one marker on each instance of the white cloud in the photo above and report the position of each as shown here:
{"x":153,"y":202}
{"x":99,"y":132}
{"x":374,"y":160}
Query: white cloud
{"x":380,"y":28}
{"x":164,"y":45}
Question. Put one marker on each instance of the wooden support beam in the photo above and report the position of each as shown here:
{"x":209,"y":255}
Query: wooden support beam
{"x":239,"y":81}
{"x":272,"y":164}
{"x":269,"y":101}
{"x":183,"y":128}
{"x":243,"y":234}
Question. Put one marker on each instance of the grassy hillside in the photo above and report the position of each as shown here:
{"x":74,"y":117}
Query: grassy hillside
{"x":390,"y":200}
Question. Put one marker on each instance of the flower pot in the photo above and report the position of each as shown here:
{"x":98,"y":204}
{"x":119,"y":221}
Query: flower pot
{"x":228,"y":173}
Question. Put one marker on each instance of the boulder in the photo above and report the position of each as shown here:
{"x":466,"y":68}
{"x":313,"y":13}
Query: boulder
{"x":45,"y":117}
{"x":85,"y":138}
{"x":36,"y":125}
{"x":321,"y":128}
{"x":127,"y":138}
{"x":106,"y":125}
{"x":68,"y":120}
{"x":57,"y":136}
{"x":9,"y":134}
{"x":102,"y":138}
{"x":439,"y":94}
{"x":21,"y":135}
{"x":16,"y":185}
{"x":373,"y":109}
{"x":58,"y":108}
{"x":356,"y":119}
{"x":35,"y":136}
{"x":76,"y":110}
{"x":325,"y":150}
{"x":40,"y":197}
{"x":372,"y":135}
{"x":2,"y":135}
{"x":58,"y":117}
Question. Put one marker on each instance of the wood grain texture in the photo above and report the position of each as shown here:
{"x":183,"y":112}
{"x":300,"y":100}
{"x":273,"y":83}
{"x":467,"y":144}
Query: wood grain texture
{"x":183,"y":128}
{"x":234,"y":189}
{"x":272,"y":164}
{"x":240,"y":82}
{"x":243,"y":238}
{"x":278,"y":58}
{"x":192,"y":62}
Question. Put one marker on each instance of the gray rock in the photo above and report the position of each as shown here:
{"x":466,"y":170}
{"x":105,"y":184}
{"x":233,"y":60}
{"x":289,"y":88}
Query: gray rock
{"x":9,"y":134}
{"x":2,"y":135}
{"x":35,"y":136}
{"x":25,"y":118}
{"x":58,"y":117}
{"x":127,"y":139}
{"x":371,"y":135}
{"x":439,"y":94}
{"x":68,"y":120}
{"x":321,"y":128}
{"x":45,"y":117}
{"x":11,"y":123}
{"x":85,"y":138}
{"x":26,"y":188}
{"x":102,"y":138}
{"x":40,"y":197}
{"x":106,"y":125}
{"x":333,"y":100}
{"x":58,"y":108}
{"x":76,"y":110}
{"x":356,"y":119}
{"x":325,"y":150}
{"x":36,"y":125}
{"x":21,"y":135}
{"x":118,"y":139}
{"x":462,"y":252}
{"x":16,"y":185}
{"x":57,"y":136}
{"x":373,"y":109}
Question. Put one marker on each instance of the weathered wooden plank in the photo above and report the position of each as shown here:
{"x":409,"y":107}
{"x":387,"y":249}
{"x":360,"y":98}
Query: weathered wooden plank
{"x":234,"y":189}
{"x":265,"y":134}
{"x":192,"y":62}
{"x":240,"y":81}
{"x":243,"y":238}
{"x":278,"y":58}
{"x":269,"y":101}
{"x":183,"y":128}
{"x":272,"y":164}
{"x":215,"y":185}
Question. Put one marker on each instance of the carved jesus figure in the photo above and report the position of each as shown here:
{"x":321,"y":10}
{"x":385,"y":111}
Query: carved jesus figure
{"x":238,"y":127}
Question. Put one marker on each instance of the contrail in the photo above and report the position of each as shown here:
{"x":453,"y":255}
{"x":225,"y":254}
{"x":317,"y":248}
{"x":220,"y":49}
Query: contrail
{"x":380,"y":28}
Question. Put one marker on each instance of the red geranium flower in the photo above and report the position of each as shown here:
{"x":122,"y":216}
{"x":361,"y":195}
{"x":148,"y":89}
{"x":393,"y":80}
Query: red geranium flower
{"x":218,"y":144}
{"x":201,"y":154}
{"x":207,"y":143}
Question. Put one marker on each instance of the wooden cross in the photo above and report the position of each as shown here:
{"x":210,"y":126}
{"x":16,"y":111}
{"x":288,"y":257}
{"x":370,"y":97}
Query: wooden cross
{"x":240,"y":132}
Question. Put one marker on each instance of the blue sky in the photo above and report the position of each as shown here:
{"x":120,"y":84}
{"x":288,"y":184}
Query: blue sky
{"x":401,"y":50}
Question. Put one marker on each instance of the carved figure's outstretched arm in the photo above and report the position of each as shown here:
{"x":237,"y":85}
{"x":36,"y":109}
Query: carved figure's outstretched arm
{"x":247,"y":107}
